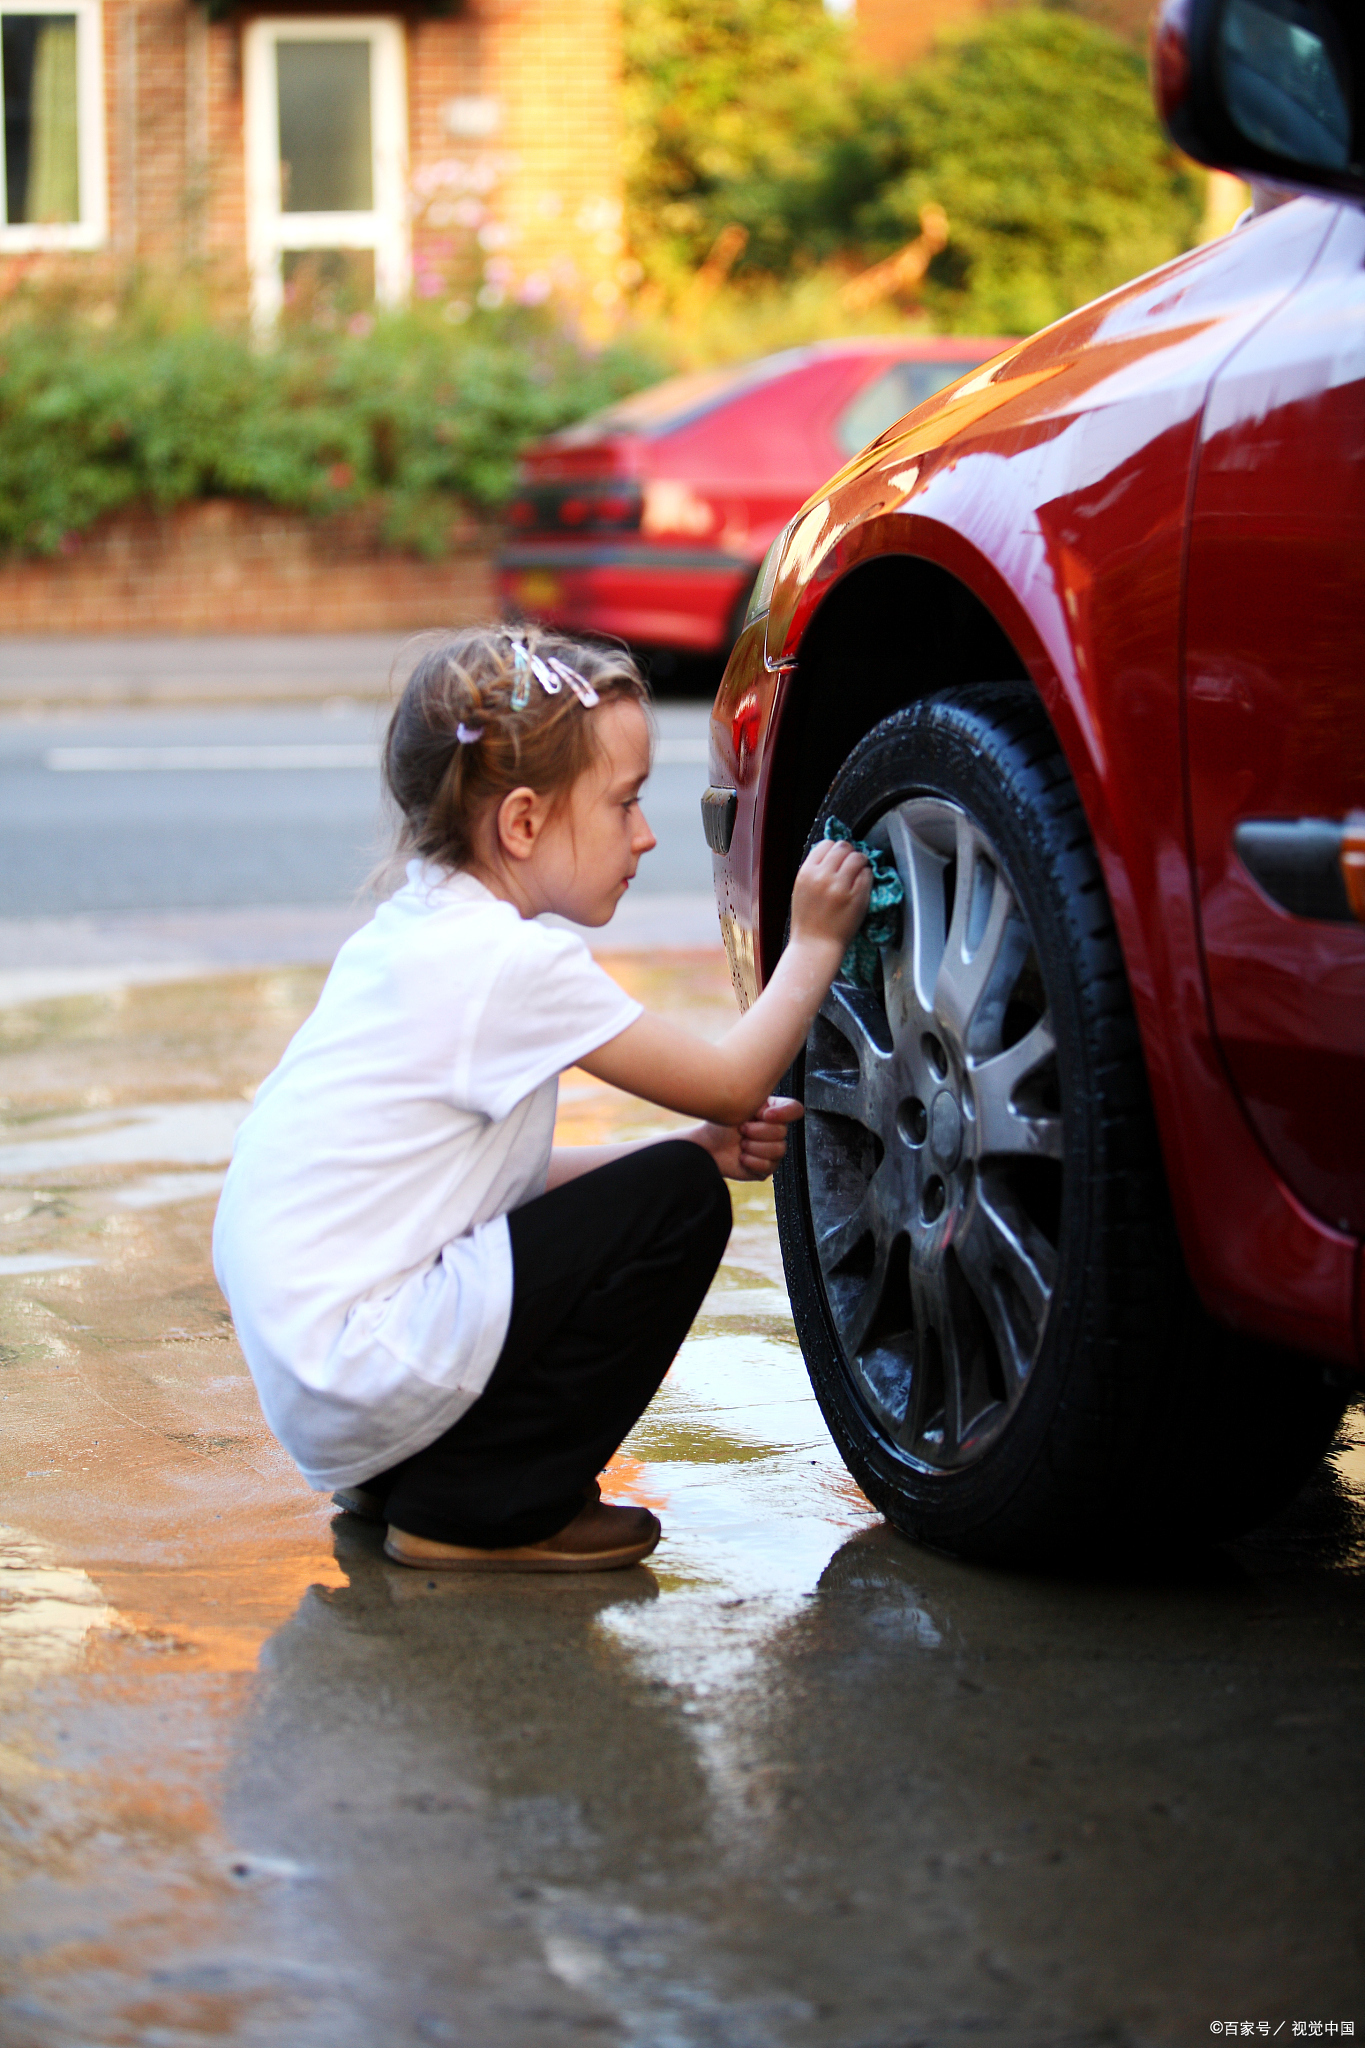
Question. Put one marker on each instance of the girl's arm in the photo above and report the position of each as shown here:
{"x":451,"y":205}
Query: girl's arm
{"x":729,"y":1083}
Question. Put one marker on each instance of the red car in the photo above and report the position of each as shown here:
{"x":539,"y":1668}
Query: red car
{"x":648,"y":521}
{"x":1073,"y":1226}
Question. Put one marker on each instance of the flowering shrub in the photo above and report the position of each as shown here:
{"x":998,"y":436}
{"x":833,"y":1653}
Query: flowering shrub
{"x":407,"y":414}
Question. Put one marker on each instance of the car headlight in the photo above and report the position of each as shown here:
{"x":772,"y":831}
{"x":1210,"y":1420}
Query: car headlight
{"x":762,"y":595}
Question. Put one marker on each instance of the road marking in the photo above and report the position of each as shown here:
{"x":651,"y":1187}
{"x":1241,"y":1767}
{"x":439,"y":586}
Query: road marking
{"x":669,"y":753}
{"x":117,"y":760}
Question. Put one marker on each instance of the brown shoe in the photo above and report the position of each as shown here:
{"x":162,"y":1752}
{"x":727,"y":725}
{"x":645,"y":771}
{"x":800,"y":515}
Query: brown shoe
{"x":600,"y":1538}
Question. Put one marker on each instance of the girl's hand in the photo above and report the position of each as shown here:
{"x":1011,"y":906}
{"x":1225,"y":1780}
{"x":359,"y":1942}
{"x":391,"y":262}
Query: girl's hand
{"x":829,"y":900}
{"x":752,"y":1150}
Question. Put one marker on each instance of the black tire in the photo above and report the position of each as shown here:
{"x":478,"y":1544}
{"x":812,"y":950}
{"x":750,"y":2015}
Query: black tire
{"x":978,"y":1241}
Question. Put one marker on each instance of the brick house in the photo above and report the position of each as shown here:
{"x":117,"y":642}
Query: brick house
{"x":446,"y":149}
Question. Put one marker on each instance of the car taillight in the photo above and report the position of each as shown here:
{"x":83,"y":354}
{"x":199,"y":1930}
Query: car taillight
{"x":575,"y":508}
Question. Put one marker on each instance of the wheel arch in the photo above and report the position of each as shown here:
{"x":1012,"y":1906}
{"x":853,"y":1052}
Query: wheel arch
{"x":862,"y":626}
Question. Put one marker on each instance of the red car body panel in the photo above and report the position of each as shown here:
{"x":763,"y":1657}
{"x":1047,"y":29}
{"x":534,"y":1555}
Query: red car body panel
{"x":1275,"y":677}
{"x":1084,"y":489}
{"x":716,"y":488}
{"x":644,"y":595}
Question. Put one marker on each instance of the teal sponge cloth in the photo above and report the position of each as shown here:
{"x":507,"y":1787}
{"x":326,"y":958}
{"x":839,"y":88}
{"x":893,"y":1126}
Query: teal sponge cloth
{"x":882,"y":925}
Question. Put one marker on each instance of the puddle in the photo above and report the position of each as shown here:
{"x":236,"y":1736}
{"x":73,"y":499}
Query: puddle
{"x":159,"y":1190}
{"x":735,"y":1458}
{"x":792,"y":1785}
{"x":14,"y":1264}
{"x":48,"y":1611}
{"x":193,"y":1133}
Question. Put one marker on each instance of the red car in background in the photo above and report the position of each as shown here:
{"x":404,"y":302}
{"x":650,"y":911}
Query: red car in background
{"x":1073,"y":1225}
{"x":648,"y":521}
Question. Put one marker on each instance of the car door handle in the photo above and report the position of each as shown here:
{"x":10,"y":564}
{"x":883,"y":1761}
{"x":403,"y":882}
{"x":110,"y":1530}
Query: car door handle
{"x":1312,"y":867}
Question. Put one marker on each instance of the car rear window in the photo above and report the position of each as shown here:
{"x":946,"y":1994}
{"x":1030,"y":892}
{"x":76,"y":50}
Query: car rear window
{"x":680,"y":400}
{"x":889,"y":397}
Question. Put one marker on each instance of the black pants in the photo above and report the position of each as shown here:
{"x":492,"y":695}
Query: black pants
{"x":608,"y":1273}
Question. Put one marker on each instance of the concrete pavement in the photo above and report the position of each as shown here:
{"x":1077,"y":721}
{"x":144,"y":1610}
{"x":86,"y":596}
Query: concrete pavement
{"x":794,"y":1785}
{"x":189,"y":669}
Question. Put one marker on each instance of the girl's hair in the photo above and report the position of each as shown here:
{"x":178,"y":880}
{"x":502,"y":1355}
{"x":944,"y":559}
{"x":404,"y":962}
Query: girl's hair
{"x":476,"y":720}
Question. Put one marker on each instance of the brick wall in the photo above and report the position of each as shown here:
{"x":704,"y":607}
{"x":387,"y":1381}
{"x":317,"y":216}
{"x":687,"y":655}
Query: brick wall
{"x":552,"y":165}
{"x":223,"y":567}
{"x":558,"y":65}
{"x":893,"y":33}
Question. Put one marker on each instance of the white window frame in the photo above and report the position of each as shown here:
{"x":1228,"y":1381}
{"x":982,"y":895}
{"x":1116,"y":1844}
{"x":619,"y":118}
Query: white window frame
{"x":384,"y":229}
{"x":91,"y":231}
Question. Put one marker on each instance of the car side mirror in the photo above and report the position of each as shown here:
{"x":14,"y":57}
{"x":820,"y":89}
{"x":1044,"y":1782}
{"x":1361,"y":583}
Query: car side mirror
{"x":1268,"y":88}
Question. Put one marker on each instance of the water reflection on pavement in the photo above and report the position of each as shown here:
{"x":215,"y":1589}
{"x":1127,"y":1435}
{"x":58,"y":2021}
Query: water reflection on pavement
{"x":796,"y":1783}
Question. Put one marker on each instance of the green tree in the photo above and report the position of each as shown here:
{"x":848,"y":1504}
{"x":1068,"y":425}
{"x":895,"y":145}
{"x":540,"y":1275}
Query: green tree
{"x":1034,"y":131}
{"x":727,"y":104}
{"x":1036,"y":135}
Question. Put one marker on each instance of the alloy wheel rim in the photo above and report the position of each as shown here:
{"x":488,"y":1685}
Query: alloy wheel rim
{"x":935,"y":1150}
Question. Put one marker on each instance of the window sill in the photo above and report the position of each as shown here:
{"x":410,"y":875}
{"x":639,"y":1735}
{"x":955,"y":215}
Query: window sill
{"x":24,"y":241}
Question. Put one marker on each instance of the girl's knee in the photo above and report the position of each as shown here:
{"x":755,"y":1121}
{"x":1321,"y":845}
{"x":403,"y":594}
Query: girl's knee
{"x":700,"y":1186}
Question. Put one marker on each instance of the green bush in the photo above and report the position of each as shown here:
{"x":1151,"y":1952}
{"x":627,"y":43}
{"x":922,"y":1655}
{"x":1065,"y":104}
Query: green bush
{"x":1033,"y":129}
{"x":726,"y":101}
{"x":405,"y":415}
{"x":1036,"y":135}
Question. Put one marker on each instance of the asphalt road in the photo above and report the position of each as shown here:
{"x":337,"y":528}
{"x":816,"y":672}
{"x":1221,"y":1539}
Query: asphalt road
{"x":182,"y":808}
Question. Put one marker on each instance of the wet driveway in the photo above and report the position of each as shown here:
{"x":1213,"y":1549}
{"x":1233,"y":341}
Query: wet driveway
{"x":796,"y":1783}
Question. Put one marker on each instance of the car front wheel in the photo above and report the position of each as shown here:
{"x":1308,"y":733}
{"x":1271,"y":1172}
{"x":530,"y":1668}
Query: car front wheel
{"x":979,"y":1249}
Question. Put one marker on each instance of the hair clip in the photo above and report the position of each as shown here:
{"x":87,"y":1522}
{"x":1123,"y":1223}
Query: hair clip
{"x":580,"y":686}
{"x":467,"y":734}
{"x":521,"y":680}
{"x":551,"y":674}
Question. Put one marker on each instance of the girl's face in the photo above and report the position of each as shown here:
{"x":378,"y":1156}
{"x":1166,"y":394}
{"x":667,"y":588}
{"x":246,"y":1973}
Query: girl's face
{"x":586,"y":853}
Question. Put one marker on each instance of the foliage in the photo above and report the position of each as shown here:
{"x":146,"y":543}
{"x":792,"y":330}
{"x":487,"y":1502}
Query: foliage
{"x":760,"y":314}
{"x":1033,"y":129}
{"x":402,"y":414}
{"x":1037,"y":137}
{"x":726,"y":101}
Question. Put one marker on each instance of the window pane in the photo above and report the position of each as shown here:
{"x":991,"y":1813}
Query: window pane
{"x":42,"y":181}
{"x":889,"y":397}
{"x":325,"y":155}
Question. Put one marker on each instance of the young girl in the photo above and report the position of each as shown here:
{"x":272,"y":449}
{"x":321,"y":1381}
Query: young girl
{"x":445,"y":1318}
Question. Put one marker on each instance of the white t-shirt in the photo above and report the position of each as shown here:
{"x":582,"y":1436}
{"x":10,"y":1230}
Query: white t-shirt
{"x":361,"y":1239}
